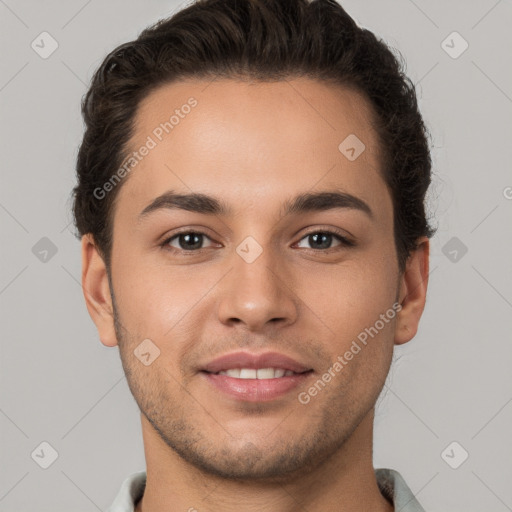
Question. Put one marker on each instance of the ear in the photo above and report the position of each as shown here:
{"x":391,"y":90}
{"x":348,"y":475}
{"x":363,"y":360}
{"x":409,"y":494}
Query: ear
{"x":96,"y":289}
{"x":413,"y":292}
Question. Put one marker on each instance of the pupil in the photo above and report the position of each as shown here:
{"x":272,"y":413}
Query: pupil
{"x":189,"y":244}
{"x":325,"y":238}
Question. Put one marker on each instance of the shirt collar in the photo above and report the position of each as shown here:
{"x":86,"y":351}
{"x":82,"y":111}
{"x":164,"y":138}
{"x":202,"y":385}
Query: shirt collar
{"x":393,"y":487}
{"x":390,"y":482}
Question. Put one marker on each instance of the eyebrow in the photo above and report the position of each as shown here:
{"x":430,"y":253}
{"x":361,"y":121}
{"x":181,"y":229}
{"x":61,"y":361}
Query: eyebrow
{"x":302,"y":203}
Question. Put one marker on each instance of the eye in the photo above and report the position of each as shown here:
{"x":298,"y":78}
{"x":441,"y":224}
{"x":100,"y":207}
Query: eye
{"x":322,"y":240}
{"x":186,"y":241}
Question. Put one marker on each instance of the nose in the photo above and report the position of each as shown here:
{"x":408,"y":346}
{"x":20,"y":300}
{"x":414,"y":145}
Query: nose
{"x":258,"y":294}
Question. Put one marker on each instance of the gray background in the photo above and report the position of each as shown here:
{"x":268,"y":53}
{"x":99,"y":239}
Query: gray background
{"x":453,"y":382}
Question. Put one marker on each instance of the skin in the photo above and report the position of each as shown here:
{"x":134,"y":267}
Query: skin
{"x":255,"y":145}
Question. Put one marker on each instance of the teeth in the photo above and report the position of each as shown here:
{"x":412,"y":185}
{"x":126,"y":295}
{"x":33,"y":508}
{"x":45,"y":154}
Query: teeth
{"x":261,"y":373}
{"x":247,"y":373}
{"x":265,"y":373}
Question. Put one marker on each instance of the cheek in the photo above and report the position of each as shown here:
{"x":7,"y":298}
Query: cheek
{"x":154,"y":298}
{"x":359,"y":311}
{"x":349,"y":297}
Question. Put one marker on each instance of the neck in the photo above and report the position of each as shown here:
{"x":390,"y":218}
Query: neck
{"x":343,"y":481}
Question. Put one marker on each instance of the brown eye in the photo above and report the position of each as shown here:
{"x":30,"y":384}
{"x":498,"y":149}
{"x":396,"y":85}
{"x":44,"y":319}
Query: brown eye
{"x":186,"y":241}
{"x":323,"y":240}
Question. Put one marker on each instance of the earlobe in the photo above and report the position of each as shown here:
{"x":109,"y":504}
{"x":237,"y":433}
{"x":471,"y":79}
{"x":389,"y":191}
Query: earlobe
{"x":96,"y":289}
{"x":413,"y":291}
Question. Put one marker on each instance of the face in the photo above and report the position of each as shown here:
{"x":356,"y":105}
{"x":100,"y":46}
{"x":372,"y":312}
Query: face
{"x":246,"y":274}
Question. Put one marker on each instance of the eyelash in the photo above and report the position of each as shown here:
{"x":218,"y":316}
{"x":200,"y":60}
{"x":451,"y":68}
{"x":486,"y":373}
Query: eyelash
{"x":345,"y":242}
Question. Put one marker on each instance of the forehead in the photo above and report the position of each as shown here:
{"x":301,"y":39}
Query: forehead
{"x":253,"y":143}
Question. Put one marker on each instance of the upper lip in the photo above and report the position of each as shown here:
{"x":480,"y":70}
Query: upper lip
{"x":256,"y":361}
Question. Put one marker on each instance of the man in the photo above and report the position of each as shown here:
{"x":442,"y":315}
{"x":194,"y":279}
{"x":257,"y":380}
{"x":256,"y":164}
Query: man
{"x":250,"y":199}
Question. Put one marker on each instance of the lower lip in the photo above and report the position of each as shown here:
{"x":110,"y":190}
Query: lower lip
{"x":256,"y":390}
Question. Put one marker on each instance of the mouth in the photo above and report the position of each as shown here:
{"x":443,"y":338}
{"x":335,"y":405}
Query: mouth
{"x":255,"y":377}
